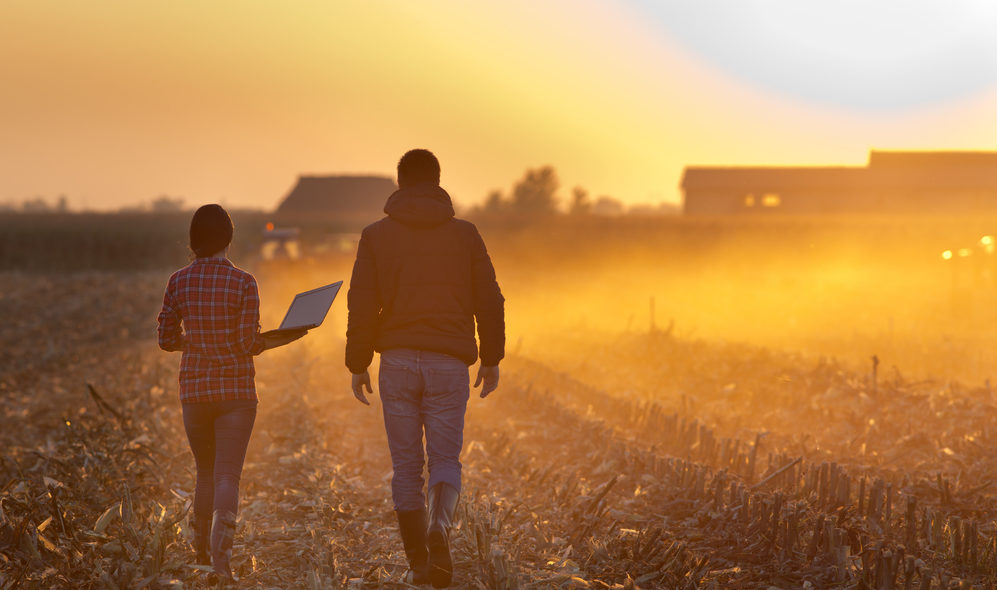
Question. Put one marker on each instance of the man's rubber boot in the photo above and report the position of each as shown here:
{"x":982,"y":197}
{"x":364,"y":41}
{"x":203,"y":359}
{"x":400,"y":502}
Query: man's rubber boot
{"x":222,"y":536}
{"x":202,"y":540}
{"x":442,"y":503}
{"x":412,"y":526}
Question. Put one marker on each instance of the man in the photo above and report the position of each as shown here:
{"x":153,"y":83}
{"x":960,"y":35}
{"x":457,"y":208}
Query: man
{"x":421,"y":281}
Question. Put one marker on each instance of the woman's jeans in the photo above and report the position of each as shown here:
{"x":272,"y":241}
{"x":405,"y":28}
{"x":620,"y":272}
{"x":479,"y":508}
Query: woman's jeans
{"x":422,"y":391}
{"x":218,"y":433}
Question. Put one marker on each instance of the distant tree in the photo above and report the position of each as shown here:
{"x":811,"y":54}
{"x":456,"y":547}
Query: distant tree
{"x":35,"y":205}
{"x":607,"y":206}
{"x":62,"y":205}
{"x":535,"y":194}
{"x":495,"y":204}
{"x":648,"y":209}
{"x":167,"y":204}
{"x":580,"y":202}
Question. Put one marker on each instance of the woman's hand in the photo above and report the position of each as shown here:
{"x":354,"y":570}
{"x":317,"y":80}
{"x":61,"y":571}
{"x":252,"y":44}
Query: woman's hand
{"x":282,"y":338}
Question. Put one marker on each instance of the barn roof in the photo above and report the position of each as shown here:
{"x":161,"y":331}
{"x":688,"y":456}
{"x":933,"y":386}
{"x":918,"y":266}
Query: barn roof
{"x":353,"y":195}
{"x":903,"y":170}
{"x":929,"y":159}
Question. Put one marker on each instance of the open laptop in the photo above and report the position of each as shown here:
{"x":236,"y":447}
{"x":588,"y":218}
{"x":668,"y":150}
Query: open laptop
{"x":308,"y":310}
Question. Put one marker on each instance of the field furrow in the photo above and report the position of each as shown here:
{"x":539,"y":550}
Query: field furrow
{"x":652,"y":462}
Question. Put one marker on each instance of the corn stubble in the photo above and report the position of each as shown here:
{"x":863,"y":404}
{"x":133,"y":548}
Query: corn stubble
{"x":717,"y":466}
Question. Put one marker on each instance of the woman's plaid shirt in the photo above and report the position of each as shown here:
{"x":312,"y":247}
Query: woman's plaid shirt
{"x":211,"y":312}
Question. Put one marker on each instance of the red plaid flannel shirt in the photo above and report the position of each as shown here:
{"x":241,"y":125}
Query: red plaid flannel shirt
{"x":211,"y":312}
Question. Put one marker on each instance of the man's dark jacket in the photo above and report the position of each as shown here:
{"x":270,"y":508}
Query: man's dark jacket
{"x":420,"y":281}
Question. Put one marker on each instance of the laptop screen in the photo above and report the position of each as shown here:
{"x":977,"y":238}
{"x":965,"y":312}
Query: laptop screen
{"x":308,"y":309}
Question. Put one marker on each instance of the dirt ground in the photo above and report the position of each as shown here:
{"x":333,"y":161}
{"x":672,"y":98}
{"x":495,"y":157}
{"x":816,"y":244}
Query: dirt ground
{"x":639,"y":460}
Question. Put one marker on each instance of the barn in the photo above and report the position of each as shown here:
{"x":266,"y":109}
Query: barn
{"x":349,"y":200}
{"x":893,"y":182}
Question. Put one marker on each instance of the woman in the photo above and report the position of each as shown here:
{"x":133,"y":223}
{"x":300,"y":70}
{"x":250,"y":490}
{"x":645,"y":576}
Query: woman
{"x":211,"y":312}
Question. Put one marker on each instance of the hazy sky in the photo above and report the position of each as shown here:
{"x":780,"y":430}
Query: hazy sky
{"x":114,"y":103}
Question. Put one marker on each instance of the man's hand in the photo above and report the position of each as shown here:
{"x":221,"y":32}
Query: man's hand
{"x":490,"y":377}
{"x":282,"y":338}
{"x":359,"y":381}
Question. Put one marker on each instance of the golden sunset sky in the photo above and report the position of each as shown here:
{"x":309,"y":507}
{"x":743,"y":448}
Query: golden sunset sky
{"x":112,"y":103}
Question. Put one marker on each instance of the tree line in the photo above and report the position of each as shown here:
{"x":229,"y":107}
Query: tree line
{"x":535,"y":195}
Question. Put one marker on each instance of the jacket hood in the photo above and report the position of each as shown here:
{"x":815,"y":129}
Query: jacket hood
{"x":422,"y":205}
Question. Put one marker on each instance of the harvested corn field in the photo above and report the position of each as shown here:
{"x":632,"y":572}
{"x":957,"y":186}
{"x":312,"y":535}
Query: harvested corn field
{"x":491,"y":295}
{"x":570,"y":483}
{"x":643,"y":457}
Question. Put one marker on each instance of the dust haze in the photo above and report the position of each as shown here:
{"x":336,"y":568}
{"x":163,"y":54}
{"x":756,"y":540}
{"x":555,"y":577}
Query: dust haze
{"x":840,"y":287}
{"x":686,"y":402}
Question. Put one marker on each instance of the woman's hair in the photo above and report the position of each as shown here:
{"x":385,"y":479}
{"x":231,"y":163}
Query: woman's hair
{"x":210,"y":230}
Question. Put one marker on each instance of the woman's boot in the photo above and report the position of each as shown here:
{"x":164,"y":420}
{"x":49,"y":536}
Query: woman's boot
{"x":202,"y":540}
{"x":412,"y":526}
{"x":442,"y":503}
{"x":222,"y":536}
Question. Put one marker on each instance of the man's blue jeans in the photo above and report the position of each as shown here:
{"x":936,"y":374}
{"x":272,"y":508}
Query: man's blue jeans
{"x":422,"y":391}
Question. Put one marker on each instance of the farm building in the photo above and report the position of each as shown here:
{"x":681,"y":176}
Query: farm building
{"x":353,"y":200}
{"x":891,"y":183}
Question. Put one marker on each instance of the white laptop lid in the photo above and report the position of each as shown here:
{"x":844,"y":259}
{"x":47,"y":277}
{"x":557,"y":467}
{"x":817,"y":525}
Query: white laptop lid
{"x":308,"y":309}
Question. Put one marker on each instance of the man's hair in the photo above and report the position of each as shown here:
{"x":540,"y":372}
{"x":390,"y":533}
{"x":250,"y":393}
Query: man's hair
{"x":417,"y":167}
{"x":210,"y":230}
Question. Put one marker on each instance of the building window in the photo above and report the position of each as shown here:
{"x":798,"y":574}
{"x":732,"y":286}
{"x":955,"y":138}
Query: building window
{"x":749,"y":200}
{"x":771,"y":200}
